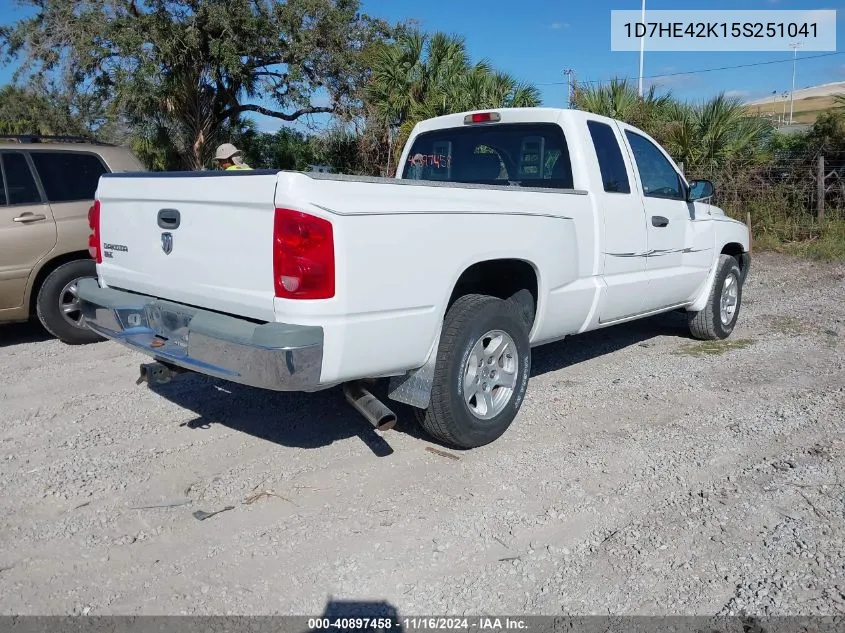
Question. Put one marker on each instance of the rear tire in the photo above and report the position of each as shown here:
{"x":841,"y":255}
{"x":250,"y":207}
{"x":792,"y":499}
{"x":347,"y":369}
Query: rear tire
{"x":57,"y":305}
{"x":718,"y":318}
{"x":481,"y":373}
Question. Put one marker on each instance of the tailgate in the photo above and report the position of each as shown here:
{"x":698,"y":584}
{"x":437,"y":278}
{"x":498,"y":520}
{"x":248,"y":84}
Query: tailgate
{"x":200,"y":238}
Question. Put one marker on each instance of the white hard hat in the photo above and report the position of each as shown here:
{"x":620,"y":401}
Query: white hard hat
{"x":227,"y":150}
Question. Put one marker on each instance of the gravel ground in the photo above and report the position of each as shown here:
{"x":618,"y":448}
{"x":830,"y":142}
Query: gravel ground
{"x":646,"y":474}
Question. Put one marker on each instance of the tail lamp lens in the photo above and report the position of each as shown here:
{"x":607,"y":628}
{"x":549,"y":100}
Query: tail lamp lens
{"x":303,"y":256}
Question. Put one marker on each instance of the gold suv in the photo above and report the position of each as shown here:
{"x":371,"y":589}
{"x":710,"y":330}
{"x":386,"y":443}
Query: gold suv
{"x":47,"y":186}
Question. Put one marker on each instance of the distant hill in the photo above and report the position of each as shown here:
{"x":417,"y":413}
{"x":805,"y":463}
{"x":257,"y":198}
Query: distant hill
{"x":809,"y":102}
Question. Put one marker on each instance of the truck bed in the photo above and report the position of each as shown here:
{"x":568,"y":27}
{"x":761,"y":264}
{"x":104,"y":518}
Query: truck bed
{"x":399,"y":248}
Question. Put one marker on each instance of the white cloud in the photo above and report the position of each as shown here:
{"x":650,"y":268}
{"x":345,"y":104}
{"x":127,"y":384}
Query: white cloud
{"x":742,"y":94}
{"x":556,"y":26}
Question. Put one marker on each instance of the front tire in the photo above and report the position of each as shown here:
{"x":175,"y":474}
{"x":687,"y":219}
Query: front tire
{"x":718,"y":318}
{"x":481,"y":373}
{"x":57,"y":304}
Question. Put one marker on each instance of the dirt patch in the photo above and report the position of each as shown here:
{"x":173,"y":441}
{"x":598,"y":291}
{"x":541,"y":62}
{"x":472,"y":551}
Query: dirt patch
{"x":637,"y":479}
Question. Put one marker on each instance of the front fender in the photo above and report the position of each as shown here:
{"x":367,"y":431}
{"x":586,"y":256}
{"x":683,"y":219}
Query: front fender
{"x":727,"y":232}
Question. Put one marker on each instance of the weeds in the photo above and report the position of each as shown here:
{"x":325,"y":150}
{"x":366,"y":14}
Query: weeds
{"x":714,"y":348}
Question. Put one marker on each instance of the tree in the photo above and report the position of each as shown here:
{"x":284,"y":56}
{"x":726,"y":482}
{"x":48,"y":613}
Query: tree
{"x":286,"y":149}
{"x":24,"y":111}
{"x":420,"y":76}
{"x":619,"y":99}
{"x":189,"y":67}
{"x":716,"y":134}
{"x":47,"y":110}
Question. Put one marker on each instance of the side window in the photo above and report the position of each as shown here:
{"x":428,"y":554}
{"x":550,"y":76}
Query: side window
{"x":2,"y":186}
{"x":20,"y":185}
{"x":68,"y":176}
{"x":611,"y":163}
{"x":659,"y":178}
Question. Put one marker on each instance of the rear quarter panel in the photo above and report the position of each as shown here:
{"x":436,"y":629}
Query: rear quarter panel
{"x":401,"y":248}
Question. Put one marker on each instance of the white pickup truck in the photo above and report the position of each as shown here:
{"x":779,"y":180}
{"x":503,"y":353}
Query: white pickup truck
{"x":502,"y":231}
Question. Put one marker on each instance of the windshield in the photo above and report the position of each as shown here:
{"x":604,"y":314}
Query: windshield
{"x":523,"y":154}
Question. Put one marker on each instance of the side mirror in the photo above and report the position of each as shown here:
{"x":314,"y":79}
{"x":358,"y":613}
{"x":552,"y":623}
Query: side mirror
{"x":700,"y":189}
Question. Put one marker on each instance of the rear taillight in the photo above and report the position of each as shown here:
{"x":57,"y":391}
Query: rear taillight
{"x":303,"y":256}
{"x":94,"y":238}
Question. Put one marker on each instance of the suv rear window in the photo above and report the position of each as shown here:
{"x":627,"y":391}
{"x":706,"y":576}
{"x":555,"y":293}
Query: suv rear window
{"x":527,"y":154}
{"x":68,"y":176}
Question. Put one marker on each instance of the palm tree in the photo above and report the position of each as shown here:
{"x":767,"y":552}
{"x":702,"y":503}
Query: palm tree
{"x":717,"y":133}
{"x":421,"y":76}
{"x":619,"y":99}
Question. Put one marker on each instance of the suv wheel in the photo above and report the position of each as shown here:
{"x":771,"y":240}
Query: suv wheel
{"x":57,"y":304}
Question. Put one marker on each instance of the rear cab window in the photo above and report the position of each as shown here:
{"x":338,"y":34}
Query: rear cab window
{"x":614,"y":175}
{"x":68,"y":176}
{"x":523,"y":154}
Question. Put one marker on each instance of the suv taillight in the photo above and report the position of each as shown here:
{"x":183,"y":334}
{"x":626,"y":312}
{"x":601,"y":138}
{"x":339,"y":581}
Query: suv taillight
{"x":303,"y":256}
{"x":94,"y":238}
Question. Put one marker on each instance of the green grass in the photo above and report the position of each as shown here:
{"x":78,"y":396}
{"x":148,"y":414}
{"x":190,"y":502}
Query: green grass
{"x":782,"y":230}
{"x":714,"y":348}
{"x":811,"y":240}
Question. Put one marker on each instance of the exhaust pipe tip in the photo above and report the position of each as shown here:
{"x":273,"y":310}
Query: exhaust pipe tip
{"x":386,"y":423}
{"x":373,"y":409}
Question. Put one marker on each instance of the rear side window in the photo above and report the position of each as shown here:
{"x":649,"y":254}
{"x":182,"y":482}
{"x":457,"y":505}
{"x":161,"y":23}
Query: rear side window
{"x":526,"y":154}
{"x":611,"y":163}
{"x":68,"y":176}
{"x":19,"y":184}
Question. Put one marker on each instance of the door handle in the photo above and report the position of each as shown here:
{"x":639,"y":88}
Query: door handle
{"x":659,"y":221}
{"x":169,"y":219}
{"x":26,"y":218}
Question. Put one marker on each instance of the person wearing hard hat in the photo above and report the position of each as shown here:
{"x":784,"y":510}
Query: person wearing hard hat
{"x":229,"y":157}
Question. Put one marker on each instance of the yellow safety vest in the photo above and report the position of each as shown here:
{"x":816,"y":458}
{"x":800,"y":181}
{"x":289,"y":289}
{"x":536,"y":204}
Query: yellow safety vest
{"x":233,"y":167}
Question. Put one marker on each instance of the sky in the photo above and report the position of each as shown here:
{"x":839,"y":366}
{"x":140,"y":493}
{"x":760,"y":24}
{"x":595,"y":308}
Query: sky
{"x":535,"y":40}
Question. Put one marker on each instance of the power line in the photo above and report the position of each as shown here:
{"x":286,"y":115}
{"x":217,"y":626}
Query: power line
{"x":695,"y":72}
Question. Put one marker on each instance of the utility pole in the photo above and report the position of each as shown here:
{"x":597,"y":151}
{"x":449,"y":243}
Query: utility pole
{"x":570,"y":73}
{"x":642,"y":54}
{"x":783,"y":117}
{"x":794,"y":46}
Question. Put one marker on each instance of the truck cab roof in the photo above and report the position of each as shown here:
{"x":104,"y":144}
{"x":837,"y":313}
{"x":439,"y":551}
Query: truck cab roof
{"x":510,"y":115}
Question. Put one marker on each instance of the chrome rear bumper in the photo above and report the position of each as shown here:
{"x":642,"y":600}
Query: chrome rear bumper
{"x":273,"y":356}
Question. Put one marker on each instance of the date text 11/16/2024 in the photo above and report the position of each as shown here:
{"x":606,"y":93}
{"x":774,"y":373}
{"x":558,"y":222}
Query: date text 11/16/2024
{"x":419,"y":623}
